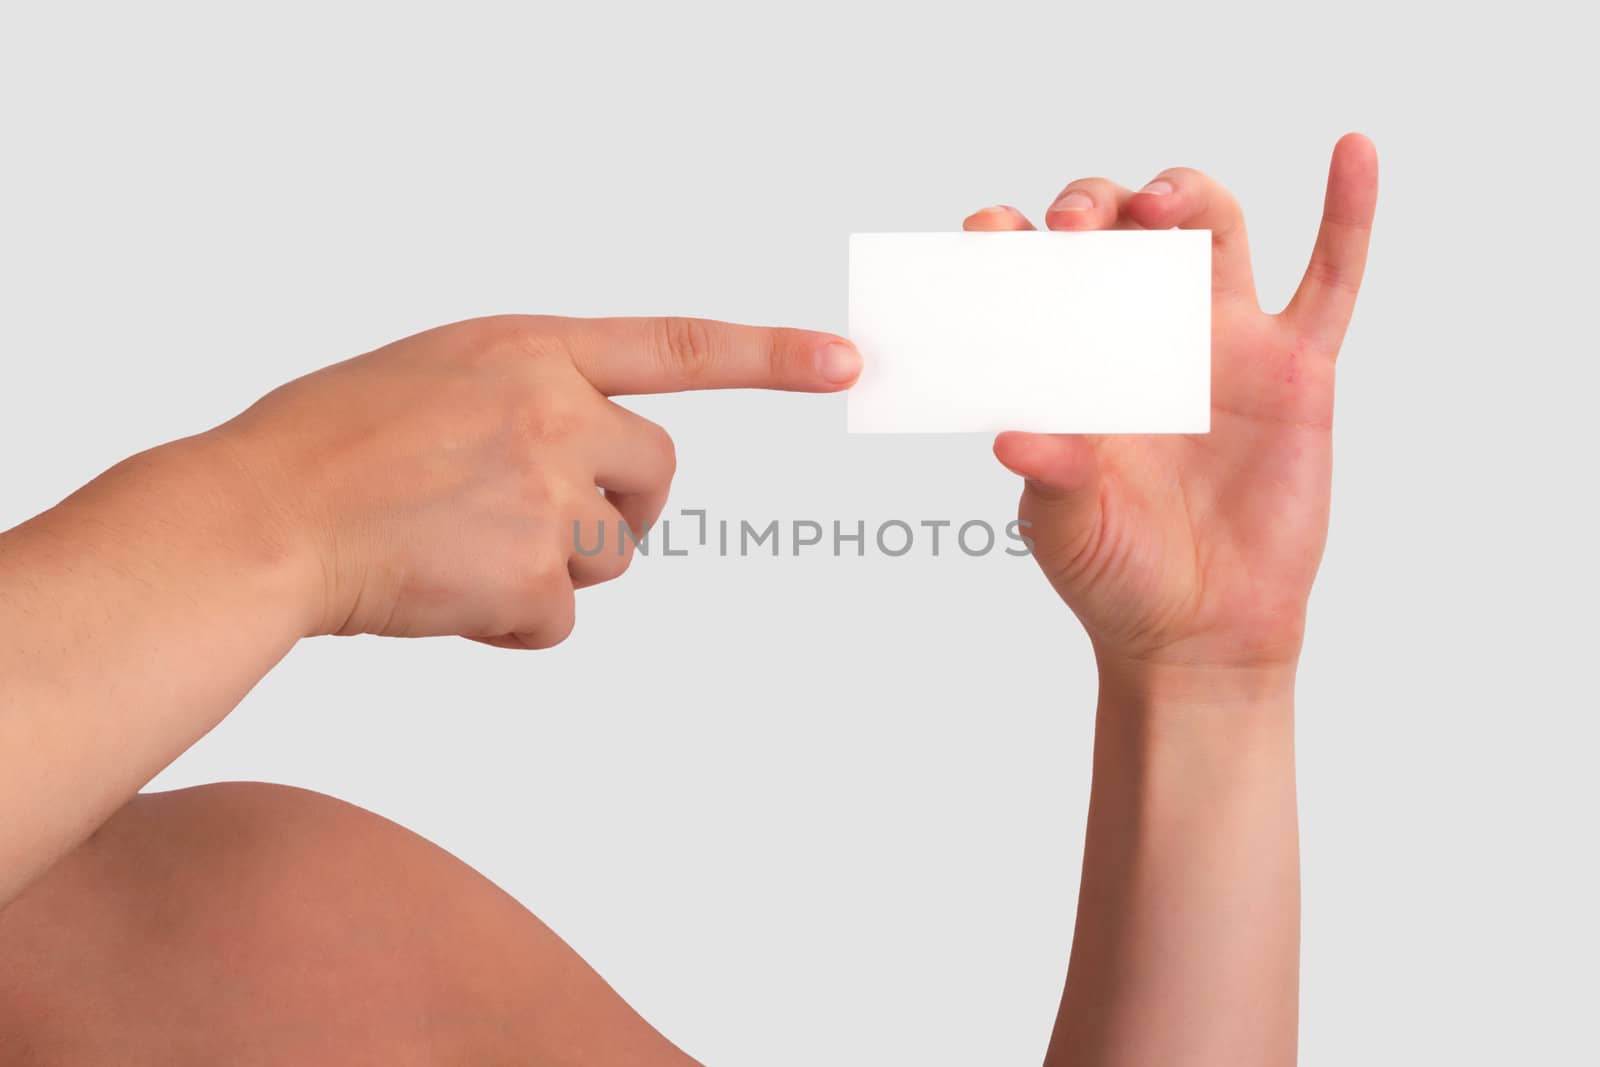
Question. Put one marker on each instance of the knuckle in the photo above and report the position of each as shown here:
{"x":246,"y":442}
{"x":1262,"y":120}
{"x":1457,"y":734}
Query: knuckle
{"x":557,"y":615}
{"x":559,"y":629}
{"x":549,"y":419}
{"x":666,"y":451}
{"x":685,"y":345}
{"x":532,"y":332}
{"x":502,"y":327}
{"x":549,"y":635}
{"x":536,"y":491}
{"x":506,"y":362}
{"x":783,"y":349}
{"x":522,"y":356}
{"x":1357,"y":224}
{"x":1331,"y":274}
{"x":1211,"y":191}
{"x":544,"y":572}
{"x":509,"y":336}
{"x":611,"y":563}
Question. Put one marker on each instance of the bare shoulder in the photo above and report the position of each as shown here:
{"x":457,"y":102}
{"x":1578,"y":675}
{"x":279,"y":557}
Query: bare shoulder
{"x":251,"y":923}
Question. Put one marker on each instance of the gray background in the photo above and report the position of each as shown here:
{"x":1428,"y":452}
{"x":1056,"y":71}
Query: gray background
{"x":830,"y":811}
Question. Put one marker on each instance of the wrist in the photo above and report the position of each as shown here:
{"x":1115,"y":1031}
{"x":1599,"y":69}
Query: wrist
{"x":234,"y":506}
{"x":1144,"y":683}
{"x":1188,"y":732}
{"x":1213,"y":714}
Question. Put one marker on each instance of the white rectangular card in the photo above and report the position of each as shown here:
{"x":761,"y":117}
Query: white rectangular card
{"x":1099,"y":332}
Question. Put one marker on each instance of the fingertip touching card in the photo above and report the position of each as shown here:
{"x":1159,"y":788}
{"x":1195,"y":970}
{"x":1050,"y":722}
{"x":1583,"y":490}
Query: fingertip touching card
{"x":1106,"y":331}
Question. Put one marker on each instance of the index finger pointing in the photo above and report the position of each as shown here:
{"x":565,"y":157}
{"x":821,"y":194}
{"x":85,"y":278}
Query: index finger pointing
{"x":664,"y":355}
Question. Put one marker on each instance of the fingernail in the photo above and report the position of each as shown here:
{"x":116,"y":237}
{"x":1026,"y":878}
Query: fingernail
{"x":1159,"y":187}
{"x":838,"y":362}
{"x":1073,"y":201}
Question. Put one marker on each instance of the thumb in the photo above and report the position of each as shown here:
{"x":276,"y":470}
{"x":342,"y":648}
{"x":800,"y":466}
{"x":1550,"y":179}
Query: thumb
{"x":1062,"y":500}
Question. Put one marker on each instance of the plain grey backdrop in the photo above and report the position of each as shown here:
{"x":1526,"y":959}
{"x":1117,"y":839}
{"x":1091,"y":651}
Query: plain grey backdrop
{"x":821,"y":810}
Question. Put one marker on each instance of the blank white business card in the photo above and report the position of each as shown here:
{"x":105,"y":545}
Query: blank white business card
{"x":1100,"y":332}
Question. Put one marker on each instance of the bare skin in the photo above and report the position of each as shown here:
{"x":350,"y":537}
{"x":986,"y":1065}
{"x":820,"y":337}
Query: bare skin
{"x":1189,"y":560}
{"x":395,"y":494}
{"x":248,"y":924}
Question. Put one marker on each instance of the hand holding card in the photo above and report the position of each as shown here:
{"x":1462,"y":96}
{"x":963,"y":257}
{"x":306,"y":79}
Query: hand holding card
{"x":1185,"y":549}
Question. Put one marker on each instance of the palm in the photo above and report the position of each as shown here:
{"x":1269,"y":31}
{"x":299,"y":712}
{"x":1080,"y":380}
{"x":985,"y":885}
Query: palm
{"x":1203,"y":547}
{"x":1201,"y":534}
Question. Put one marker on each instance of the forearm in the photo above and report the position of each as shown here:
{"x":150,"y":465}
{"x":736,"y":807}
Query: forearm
{"x":134,"y":615}
{"x":1187,"y":941}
